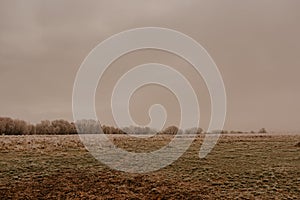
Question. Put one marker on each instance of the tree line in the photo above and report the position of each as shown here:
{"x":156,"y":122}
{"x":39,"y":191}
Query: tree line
{"x":9,"y":126}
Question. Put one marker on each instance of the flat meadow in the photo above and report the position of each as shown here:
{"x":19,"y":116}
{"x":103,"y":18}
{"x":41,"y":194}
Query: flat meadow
{"x":243,"y":166}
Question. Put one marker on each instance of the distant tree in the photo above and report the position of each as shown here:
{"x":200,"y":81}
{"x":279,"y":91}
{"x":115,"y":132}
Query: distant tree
{"x":44,"y":127}
{"x":9,"y":126}
{"x":88,"y":126}
{"x":20,"y":127}
{"x":2,"y":125}
{"x":61,"y":127}
{"x":224,"y":131}
{"x":262,"y":130}
{"x":31,"y":129}
{"x":171,"y":130}
{"x":73,"y":129}
{"x":106,"y":129}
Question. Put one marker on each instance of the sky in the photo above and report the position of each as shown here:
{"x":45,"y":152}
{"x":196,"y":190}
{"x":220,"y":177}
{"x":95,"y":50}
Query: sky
{"x":255,"y":44}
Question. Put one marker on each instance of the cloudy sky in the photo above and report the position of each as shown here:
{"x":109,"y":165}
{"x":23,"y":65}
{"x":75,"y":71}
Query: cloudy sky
{"x":255,"y":44}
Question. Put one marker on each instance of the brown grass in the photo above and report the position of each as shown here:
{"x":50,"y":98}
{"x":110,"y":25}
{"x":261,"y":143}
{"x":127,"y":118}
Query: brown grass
{"x":59,"y":167}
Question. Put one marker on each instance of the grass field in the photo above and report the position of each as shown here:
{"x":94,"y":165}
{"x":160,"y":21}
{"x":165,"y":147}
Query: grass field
{"x":243,"y":167}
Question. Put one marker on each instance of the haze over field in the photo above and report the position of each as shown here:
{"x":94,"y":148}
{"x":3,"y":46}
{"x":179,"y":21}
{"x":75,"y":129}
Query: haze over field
{"x":254,"y":43}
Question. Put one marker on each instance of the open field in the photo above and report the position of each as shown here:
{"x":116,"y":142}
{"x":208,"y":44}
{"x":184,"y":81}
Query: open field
{"x":240,"y":166}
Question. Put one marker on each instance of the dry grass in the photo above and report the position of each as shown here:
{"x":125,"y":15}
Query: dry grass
{"x":59,"y":167}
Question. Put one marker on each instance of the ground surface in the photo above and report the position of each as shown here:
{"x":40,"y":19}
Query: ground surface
{"x":59,"y":167}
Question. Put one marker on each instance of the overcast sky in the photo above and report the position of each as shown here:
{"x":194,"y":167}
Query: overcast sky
{"x":255,"y":44}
